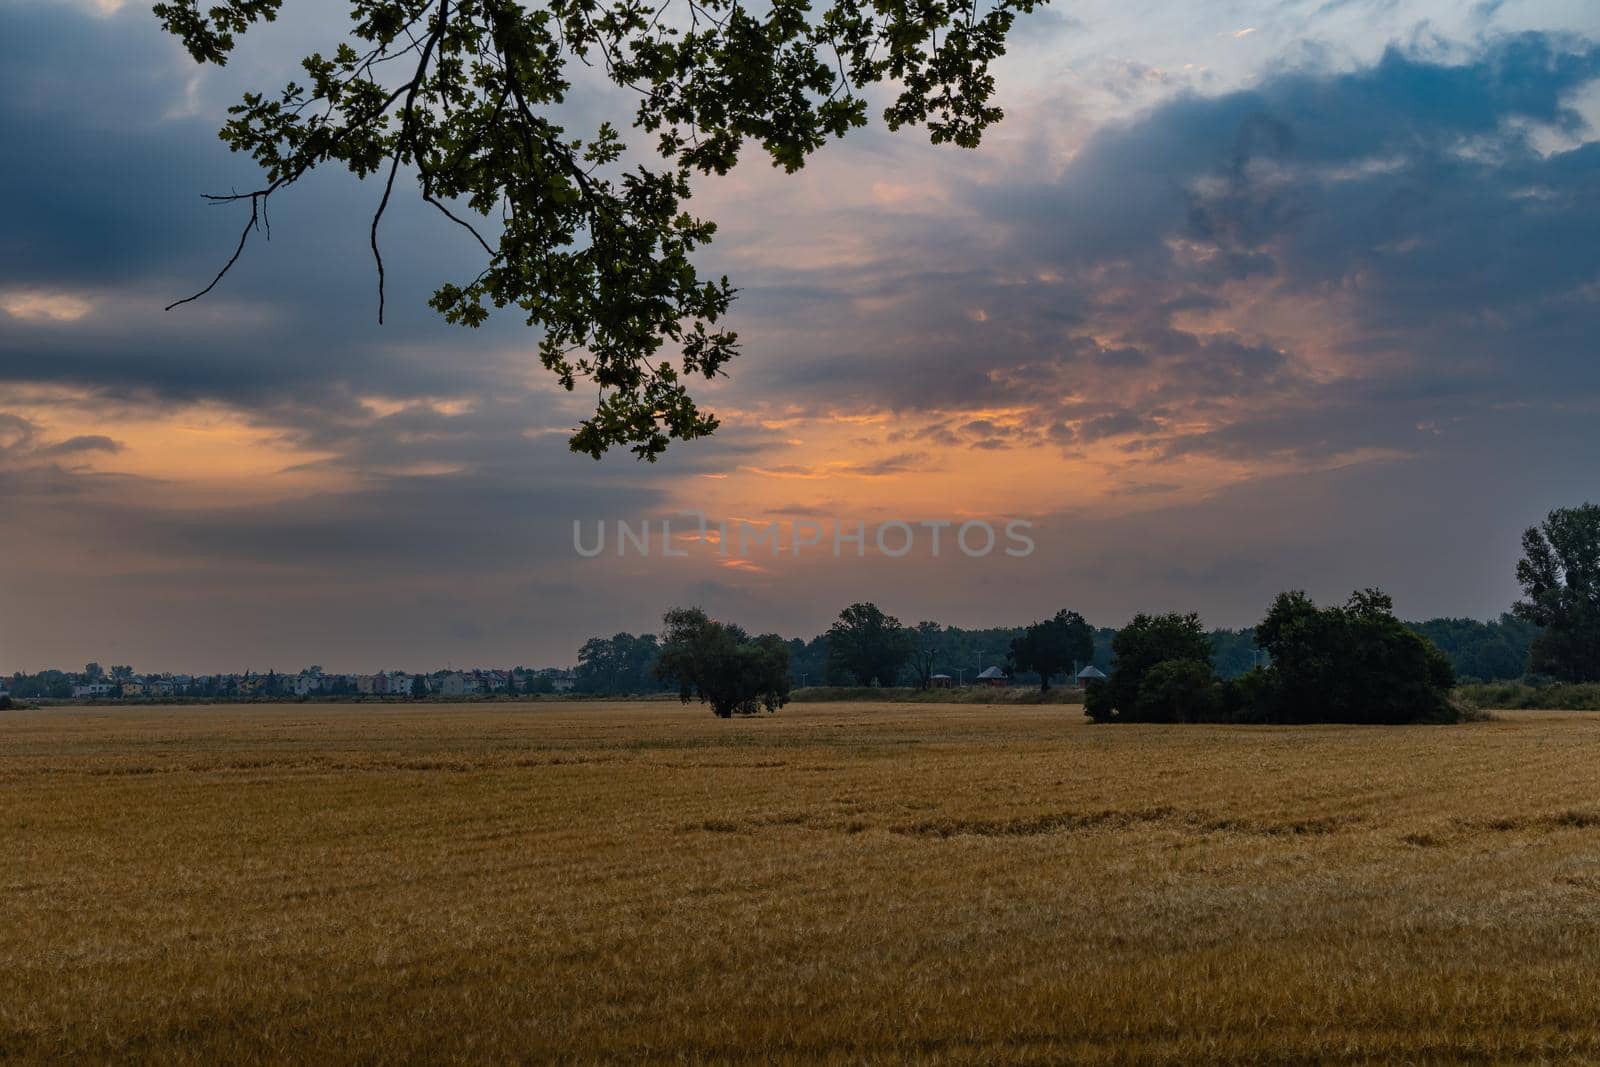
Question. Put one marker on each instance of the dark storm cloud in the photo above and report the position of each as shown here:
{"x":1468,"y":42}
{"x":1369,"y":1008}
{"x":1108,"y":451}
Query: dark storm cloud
{"x":107,"y":207}
{"x":1441,"y":215}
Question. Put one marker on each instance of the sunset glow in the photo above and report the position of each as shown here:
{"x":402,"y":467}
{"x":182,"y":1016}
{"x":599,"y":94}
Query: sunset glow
{"x":1232,"y":301}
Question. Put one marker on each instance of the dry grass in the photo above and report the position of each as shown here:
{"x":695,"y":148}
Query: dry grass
{"x":838,"y":883}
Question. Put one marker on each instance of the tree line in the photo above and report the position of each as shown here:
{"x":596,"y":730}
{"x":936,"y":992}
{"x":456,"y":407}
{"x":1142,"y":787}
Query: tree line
{"x":1351,"y":662}
{"x":1164,"y":666}
{"x":1478,"y":651}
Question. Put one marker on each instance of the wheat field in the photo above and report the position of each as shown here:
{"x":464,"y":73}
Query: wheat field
{"x":837,"y":883}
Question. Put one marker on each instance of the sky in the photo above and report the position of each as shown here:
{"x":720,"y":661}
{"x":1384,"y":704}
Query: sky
{"x":1239,"y":297}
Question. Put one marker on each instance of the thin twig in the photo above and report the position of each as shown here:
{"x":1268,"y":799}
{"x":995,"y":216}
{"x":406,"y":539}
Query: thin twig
{"x":244,"y":236}
{"x":404,"y":139}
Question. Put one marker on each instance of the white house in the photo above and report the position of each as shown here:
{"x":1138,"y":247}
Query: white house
{"x":95,"y":690}
{"x":457,"y":685}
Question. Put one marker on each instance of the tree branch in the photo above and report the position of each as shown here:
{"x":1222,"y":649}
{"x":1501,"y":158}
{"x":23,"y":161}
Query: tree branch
{"x":405,"y":139}
{"x":244,"y":236}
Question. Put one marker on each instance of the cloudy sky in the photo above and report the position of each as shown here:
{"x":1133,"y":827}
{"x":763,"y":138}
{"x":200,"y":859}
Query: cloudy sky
{"x":1241,"y":296}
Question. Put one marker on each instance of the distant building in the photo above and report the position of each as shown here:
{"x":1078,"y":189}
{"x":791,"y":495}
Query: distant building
{"x":993,"y":676}
{"x":457,"y":685}
{"x":94,"y":690}
{"x":1091,"y":673}
{"x":942,"y":681}
{"x":561,"y":679}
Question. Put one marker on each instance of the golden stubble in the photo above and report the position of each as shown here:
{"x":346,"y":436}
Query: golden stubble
{"x":837,"y":883}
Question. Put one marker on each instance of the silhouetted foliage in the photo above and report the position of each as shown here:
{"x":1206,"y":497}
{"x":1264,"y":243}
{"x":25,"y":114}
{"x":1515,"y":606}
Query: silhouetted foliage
{"x":599,"y":256}
{"x":619,"y":664}
{"x":721,"y":665}
{"x":1178,"y":690}
{"x":1355,"y":663}
{"x":868,"y":645}
{"x":1139,"y":647}
{"x":1484,"y":651}
{"x":1560,"y":578}
{"x":1052,"y":646}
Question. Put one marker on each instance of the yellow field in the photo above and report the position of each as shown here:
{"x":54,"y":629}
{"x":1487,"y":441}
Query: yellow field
{"x":840,"y":882}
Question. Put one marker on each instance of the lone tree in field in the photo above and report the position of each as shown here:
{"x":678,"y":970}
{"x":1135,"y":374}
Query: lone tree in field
{"x":1560,"y":576}
{"x":868,"y":645}
{"x":466,"y":97}
{"x":719,"y":664}
{"x":1053,"y":646}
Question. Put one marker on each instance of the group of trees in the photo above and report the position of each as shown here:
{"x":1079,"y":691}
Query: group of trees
{"x":1483,"y":651}
{"x":863,"y":647}
{"x":1353,"y":663}
{"x":619,"y":664}
{"x":1052,"y":647}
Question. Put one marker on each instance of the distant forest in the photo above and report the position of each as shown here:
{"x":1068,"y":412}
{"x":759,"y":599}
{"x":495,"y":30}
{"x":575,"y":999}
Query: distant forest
{"x":1479,"y":652}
